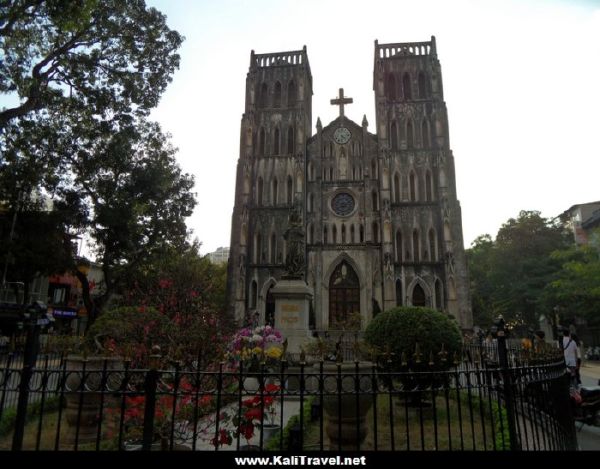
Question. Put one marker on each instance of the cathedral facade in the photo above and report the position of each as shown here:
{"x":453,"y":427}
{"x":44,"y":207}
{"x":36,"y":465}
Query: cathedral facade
{"x":382,"y":223}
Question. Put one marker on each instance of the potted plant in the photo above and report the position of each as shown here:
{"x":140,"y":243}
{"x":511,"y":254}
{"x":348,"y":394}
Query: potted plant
{"x":251,"y":346}
{"x":257,"y":415}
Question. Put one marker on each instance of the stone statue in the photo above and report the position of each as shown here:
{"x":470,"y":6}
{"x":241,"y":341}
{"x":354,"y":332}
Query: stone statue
{"x":294,"y":236}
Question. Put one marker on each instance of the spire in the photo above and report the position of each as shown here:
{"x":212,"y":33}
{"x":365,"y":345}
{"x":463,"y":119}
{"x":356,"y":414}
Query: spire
{"x":365,"y":124}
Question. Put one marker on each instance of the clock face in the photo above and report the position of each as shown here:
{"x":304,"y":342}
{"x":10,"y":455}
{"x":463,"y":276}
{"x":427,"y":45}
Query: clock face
{"x":341,"y":135}
{"x":343,"y":204}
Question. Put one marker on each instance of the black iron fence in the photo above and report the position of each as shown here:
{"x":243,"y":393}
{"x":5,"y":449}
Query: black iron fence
{"x":490,"y":398}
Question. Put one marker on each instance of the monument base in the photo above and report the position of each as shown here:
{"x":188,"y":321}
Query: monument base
{"x":292,"y":305}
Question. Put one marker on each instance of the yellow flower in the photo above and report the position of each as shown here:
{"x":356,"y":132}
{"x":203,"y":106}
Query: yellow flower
{"x":273,"y":352}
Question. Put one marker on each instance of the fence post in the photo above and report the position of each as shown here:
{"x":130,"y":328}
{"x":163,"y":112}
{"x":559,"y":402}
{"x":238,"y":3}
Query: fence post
{"x":29,"y":360}
{"x":150,"y":385}
{"x":508,"y":386}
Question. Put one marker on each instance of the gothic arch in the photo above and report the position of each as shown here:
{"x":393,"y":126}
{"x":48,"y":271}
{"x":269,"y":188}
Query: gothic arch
{"x":275,"y":190}
{"x":391,"y":87}
{"x":398,"y":292}
{"x":416,"y":245}
{"x":422,"y":86}
{"x":394,"y":136}
{"x":413,"y":186}
{"x":276,"y":142}
{"x":397,"y":187}
{"x":338,"y":260}
{"x":406,"y":85}
{"x":343,"y":295}
{"x":410,"y":135}
{"x":277,"y":95}
{"x":428,"y":187}
{"x":439,"y":295}
{"x":266,"y":304}
{"x":292,"y":93}
{"x":263,"y":96}
{"x":410,"y":291}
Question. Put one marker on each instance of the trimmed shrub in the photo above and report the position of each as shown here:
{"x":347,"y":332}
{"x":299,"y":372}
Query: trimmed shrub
{"x":400,"y":329}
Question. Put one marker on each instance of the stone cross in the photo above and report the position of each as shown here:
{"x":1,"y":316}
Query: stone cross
{"x":340,"y":101}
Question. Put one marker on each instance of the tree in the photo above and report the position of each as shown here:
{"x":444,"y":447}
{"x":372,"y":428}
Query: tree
{"x":138,"y":200}
{"x":509,"y":275}
{"x":576,"y":286}
{"x":88,"y":56}
{"x":189,"y":290}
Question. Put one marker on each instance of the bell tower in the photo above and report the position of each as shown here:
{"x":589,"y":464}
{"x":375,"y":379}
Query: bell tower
{"x":270,"y":176}
{"x":425,"y":240}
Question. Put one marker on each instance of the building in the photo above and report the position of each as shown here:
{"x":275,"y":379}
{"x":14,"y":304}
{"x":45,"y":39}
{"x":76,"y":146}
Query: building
{"x":381,"y":216}
{"x":220,"y":256}
{"x":582,"y":219}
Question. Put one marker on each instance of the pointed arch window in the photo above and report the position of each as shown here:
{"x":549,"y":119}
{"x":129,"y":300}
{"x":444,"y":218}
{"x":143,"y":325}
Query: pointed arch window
{"x":397,"y":188}
{"x":311,"y":234}
{"x":259,"y":192}
{"x":391,"y":87}
{"x":375,"y":228}
{"x":343,"y":233}
{"x":352,"y":233}
{"x":292,"y":94}
{"x":412,"y":186}
{"x":398,"y":246}
{"x":416,"y":247}
{"x":264,"y":96}
{"x":276,"y":141}
{"x":398,"y":292}
{"x":432,"y":246}
{"x":257,"y":248}
{"x":277,"y":95}
{"x":374,"y":168}
{"x":406,"y":86}
{"x":344,"y":294}
{"x":290,"y":190}
{"x":425,"y":134}
{"x":273,"y":248}
{"x":428,"y":187}
{"x":422,"y":86}
{"x":362,"y":233}
{"x":410,"y":137}
{"x":375,"y":201}
{"x":275,"y":188}
{"x":334,"y":234}
{"x":261,"y":142}
{"x":311,"y":199}
{"x":438,"y":295}
{"x":325,"y":237}
{"x":418,"y":296}
{"x":253,"y":294}
{"x":394,"y":136}
{"x":290,"y":141}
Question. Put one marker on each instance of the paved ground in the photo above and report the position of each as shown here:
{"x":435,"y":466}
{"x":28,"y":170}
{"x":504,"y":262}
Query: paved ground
{"x":589,"y":437}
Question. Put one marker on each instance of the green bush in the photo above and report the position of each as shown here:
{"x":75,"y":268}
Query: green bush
{"x":399,"y":330}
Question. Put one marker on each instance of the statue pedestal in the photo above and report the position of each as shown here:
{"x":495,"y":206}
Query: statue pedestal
{"x":292,"y":304}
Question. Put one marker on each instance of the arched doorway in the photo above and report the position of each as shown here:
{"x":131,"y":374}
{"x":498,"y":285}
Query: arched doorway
{"x":344,"y":295}
{"x":418,"y":296}
{"x":270,"y":308}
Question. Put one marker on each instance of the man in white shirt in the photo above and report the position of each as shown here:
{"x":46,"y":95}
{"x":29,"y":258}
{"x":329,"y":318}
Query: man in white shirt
{"x":570,"y":350}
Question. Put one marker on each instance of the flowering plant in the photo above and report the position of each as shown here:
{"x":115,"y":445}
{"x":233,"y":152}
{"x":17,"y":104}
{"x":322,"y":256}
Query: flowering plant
{"x":250,"y":345}
{"x":256,"y":410}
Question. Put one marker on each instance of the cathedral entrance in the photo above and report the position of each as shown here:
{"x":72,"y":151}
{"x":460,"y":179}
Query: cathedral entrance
{"x":344,"y":295}
{"x":418,"y":296}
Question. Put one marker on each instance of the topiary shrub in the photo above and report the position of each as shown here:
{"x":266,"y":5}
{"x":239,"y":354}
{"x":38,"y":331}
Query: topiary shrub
{"x":399,"y":330}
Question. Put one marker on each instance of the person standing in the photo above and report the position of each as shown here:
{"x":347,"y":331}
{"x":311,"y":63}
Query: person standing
{"x":569,"y":347}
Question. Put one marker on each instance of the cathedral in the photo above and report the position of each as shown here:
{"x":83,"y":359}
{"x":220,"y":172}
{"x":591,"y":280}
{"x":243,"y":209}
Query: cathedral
{"x":378,"y":207}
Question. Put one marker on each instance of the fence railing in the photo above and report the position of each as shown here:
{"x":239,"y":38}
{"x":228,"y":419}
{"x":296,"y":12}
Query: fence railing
{"x":489,"y":399}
